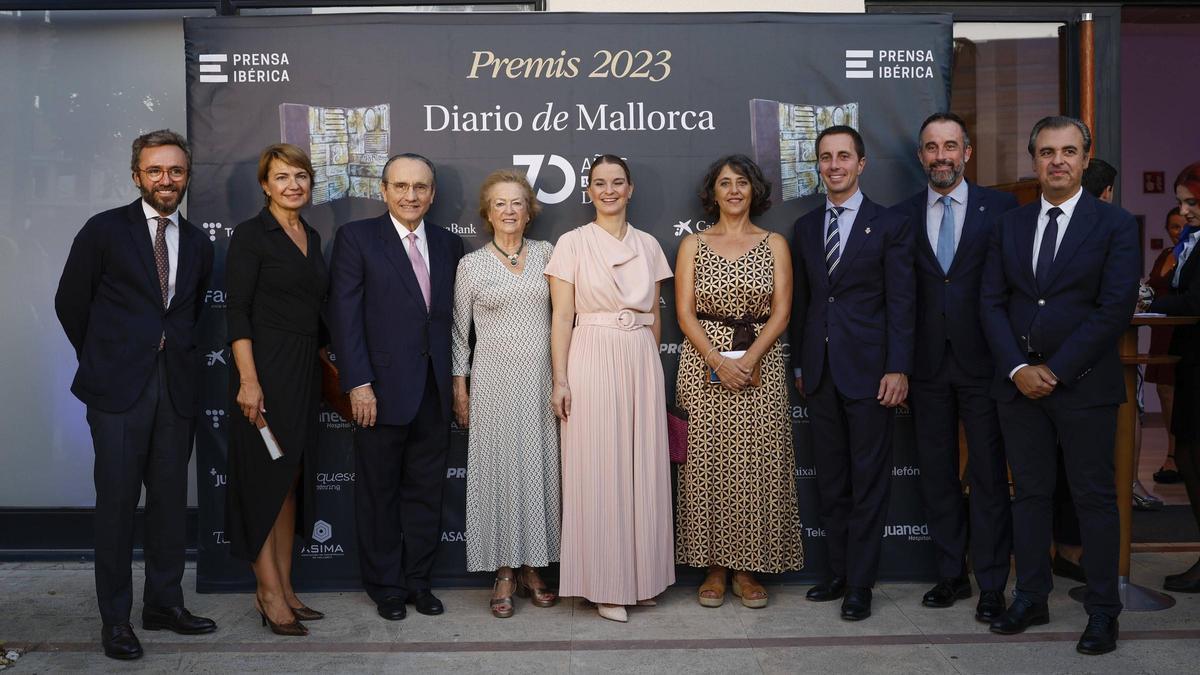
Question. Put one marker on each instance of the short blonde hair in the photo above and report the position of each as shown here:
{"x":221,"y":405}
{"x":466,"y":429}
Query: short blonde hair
{"x":499,"y":176}
{"x":286,"y":153}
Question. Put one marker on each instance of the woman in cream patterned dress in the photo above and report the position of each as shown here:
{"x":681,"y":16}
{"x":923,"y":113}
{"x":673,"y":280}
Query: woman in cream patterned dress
{"x":512,"y":452}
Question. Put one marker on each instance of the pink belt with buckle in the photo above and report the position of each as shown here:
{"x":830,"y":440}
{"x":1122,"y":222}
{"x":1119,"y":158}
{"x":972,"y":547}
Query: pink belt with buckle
{"x":626,"y":319}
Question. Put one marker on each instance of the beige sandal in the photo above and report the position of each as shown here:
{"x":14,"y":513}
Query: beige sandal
{"x":751,"y":592}
{"x":502,"y":608}
{"x":714,"y":583}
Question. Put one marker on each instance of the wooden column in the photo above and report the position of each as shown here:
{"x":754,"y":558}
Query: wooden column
{"x":1087,"y":74}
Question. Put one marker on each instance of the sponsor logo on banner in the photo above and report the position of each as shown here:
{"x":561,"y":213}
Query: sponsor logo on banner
{"x":889,"y":64}
{"x":215,"y":357}
{"x":334,"y":481}
{"x":467,"y":230}
{"x":910,"y":531}
{"x":242,"y":67}
{"x":322,"y":547}
{"x":456,"y":472}
{"x":218,"y":479}
{"x":215,"y":298}
{"x":453,"y":536}
{"x":812,"y":532}
{"x":690,"y":226}
{"x":215,"y":415}
{"x":333,"y":421}
{"x":219,"y":537}
{"x":455,"y":429}
{"x":212,"y":229}
{"x":806,"y":472}
{"x":905,"y":471}
{"x":673,"y":348}
{"x":902,"y":411}
{"x":800,"y":414}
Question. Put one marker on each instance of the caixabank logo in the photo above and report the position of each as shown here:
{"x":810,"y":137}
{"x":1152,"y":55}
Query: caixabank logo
{"x":239,"y":67}
{"x":889,"y":64}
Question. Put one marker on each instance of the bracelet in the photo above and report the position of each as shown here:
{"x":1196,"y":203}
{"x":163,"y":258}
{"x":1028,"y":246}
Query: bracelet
{"x":723,"y":360}
{"x":709,"y":353}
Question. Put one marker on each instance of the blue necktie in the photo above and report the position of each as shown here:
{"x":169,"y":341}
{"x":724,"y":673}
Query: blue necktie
{"x":833,"y":243}
{"x":945,"y":246}
{"x":1046,"y":252}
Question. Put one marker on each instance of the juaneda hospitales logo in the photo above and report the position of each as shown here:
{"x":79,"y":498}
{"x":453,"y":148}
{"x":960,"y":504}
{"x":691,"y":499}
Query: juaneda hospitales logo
{"x":889,"y":64}
{"x":241,"y":67}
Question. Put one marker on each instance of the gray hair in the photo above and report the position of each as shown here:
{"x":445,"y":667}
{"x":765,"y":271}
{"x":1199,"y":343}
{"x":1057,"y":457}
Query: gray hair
{"x":1060,"y":122}
{"x":413,"y":156}
{"x":156,"y":139}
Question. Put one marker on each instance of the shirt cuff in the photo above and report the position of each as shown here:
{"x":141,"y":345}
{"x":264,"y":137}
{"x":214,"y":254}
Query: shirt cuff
{"x":797,"y":373}
{"x":364,"y":384}
{"x":1014,"y":370}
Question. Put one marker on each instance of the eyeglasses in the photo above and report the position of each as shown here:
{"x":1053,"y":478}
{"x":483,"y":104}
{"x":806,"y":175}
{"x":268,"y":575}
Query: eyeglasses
{"x":155,"y":173}
{"x":421,"y":189}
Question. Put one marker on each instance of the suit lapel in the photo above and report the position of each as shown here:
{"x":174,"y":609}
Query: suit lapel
{"x":437,"y":264}
{"x":919,"y":217}
{"x":1023,"y":239}
{"x":139,"y":231}
{"x":1079,"y":228}
{"x":394,"y":249}
{"x":186,"y":260}
{"x":815,"y":230}
{"x":974,"y":225}
{"x":859,"y":234}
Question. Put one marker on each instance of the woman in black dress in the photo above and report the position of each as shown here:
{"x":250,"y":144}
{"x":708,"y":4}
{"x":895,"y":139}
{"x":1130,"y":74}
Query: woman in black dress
{"x":276,"y":279}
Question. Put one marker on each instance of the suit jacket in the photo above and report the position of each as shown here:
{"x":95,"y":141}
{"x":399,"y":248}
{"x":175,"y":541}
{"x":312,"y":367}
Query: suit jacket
{"x":110,"y":306}
{"x":382,"y":332}
{"x":863,"y":315}
{"x":1183,"y":301}
{"x":948,"y":302}
{"x":1077,"y":320}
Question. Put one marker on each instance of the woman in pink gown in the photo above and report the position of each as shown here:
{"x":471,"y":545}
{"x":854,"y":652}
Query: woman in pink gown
{"x":617,"y":533}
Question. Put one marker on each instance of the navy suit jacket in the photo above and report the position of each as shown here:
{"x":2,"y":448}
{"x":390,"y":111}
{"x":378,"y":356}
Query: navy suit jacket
{"x":110,"y":305}
{"x":948,"y":302}
{"x":863,"y":315}
{"x":382,"y":332}
{"x":1185,"y":300}
{"x":1077,"y":320}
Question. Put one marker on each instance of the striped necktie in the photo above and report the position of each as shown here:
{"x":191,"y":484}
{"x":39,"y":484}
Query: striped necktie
{"x":833,"y":240}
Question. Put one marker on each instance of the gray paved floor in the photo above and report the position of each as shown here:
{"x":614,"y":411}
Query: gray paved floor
{"x":49,"y":610}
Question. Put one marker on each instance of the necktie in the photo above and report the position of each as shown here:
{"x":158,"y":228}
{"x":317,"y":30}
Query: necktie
{"x":833,"y":240}
{"x":163,"y":262}
{"x":419,"y":267}
{"x":945,"y":246}
{"x":1046,"y":252}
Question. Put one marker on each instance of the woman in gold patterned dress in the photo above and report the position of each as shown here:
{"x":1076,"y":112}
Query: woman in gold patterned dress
{"x":737,"y":491}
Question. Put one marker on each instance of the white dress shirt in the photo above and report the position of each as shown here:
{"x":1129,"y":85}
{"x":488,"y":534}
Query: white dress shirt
{"x":934,"y":209}
{"x":1189,"y":247}
{"x":422,"y":240}
{"x":172,"y":236}
{"x":850,"y":211}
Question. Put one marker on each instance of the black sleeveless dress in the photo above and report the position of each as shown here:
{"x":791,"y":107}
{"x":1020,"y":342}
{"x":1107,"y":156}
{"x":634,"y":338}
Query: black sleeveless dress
{"x":275,"y":295}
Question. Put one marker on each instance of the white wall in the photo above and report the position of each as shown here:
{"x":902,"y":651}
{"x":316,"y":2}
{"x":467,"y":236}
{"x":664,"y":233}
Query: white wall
{"x":849,"y":6}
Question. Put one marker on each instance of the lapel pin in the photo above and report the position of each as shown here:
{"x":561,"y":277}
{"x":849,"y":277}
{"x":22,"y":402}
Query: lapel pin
{"x":867,"y":231}
{"x":983,"y":208}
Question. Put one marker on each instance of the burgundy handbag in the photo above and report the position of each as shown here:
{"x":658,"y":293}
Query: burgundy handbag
{"x":677,"y":430}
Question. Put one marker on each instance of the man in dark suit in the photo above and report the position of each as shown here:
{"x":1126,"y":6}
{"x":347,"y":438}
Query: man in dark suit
{"x":852,"y":337}
{"x":952,"y":370}
{"x":1059,"y":287}
{"x":129,"y":298}
{"x":390,"y":313}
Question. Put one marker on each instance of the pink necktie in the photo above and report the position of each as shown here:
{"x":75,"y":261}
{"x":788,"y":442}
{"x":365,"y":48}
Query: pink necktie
{"x":419,"y":267}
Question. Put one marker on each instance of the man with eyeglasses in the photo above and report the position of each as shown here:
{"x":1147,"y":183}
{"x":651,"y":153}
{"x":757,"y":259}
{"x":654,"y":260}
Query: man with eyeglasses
{"x":129,"y":299}
{"x":392,"y":282}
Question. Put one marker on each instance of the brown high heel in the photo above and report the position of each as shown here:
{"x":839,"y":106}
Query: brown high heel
{"x":541,"y":597}
{"x":305,"y":613}
{"x":291,"y":629}
{"x":502,"y":608}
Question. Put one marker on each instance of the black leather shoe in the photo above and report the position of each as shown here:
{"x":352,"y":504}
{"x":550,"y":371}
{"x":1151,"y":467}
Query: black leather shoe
{"x":1100,"y":636}
{"x":392,"y":608}
{"x":1021,"y":615}
{"x":1061,"y":567}
{"x":830,"y":589}
{"x":176,"y":619}
{"x":856,"y":606}
{"x":990,"y":607}
{"x":1181,"y":585}
{"x":426,"y":602}
{"x":120,"y":642}
{"x":947,"y":591}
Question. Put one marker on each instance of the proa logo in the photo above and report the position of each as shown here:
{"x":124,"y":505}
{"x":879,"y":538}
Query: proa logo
{"x":683,"y":227}
{"x":453,"y":536}
{"x":467,"y":230}
{"x":321,"y":548}
{"x":905,"y":471}
{"x":456,"y":472}
{"x":806,"y":472}
{"x":334,"y":480}
{"x":219,"y":479}
{"x":215,"y":357}
{"x":911,"y":531}
{"x":214,"y":298}
{"x":215,"y":414}
{"x":670,"y":348}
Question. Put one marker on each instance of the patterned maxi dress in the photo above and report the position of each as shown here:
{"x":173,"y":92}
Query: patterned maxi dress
{"x":513,"y":500}
{"x":737,"y":491}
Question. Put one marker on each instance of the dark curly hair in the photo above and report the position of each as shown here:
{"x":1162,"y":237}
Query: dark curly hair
{"x":745,"y":167}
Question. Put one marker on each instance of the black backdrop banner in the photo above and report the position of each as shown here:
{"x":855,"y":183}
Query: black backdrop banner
{"x":544,"y":93}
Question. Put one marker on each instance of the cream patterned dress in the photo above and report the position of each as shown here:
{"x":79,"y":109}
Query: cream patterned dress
{"x":513,"y":492}
{"x":737,"y":492}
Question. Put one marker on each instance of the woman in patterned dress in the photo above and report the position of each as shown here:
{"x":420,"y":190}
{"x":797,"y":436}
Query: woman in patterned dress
{"x":736,"y":507}
{"x":512,"y":451}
